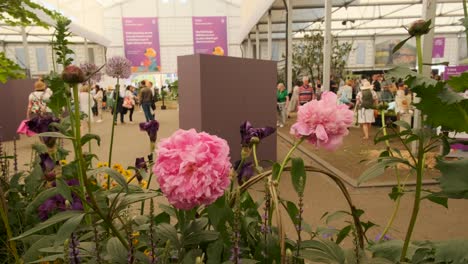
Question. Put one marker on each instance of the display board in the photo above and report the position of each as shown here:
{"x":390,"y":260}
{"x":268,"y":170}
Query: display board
{"x":454,"y":71}
{"x":438,"y":47}
{"x":141,"y":43}
{"x":210,"y":35}
{"x":384,"y":57}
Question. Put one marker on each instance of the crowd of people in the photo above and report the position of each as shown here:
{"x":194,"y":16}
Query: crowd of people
{"x":94,"y":100}
{"x":361,"y":95}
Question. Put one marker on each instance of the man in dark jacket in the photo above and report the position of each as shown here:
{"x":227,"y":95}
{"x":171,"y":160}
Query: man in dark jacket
{"x":146,"y":98}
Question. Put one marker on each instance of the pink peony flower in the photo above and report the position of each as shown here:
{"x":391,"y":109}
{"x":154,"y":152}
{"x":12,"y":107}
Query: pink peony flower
{"x":192,"y":168}
{"x":323,"y":123}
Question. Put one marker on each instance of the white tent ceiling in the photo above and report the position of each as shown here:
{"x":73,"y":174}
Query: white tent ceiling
{"x":360,"y":17}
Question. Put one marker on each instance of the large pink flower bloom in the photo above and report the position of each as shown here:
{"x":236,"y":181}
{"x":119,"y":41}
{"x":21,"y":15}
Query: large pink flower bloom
{"x":192,"y":168}
{"x":323,"y":122}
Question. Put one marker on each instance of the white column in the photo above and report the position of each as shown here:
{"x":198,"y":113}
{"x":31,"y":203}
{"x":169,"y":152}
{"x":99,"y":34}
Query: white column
{"x":290,"y":40}
{"x":269,"y":41}
{"x":327,"y":47}
{"x":86,"y":53}
{"x":428,"y":12}
{"x":249,"y":47}
{"x":27,"y":60}
{"x":257,"y":43}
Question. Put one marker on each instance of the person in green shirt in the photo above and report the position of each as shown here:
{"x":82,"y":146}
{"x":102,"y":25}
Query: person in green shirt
{"x":282,"y":102}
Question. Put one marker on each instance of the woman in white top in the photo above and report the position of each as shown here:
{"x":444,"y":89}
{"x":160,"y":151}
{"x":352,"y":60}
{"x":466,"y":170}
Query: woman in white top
{"x":366,"y":100}
{"x":129,"y":101}
{"x":294,"y":100}
{"x":37,"y":100}
{"x":98,"y":96}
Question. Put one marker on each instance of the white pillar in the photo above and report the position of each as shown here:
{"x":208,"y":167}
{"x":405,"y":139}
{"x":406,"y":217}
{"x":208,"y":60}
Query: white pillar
{"x":257,"y":43}
{"x":428,"y":12}
{"x":86,"y":53}
{"x":327,"y":47}
{"x":269,"y":41}
{"x":249,"y":47}
{"x":27,"y":61}
{"x":290,"y":51}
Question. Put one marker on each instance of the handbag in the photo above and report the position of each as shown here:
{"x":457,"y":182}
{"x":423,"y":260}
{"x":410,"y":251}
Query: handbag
{"x":127,"y":103}
{"x":24,"y":129}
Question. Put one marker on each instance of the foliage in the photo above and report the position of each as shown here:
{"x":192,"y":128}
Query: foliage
{"x":22,"y":13}
{"x":9,"y":69}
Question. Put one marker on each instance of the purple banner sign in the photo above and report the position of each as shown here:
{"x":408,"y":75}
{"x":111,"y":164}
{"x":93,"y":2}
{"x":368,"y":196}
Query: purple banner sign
{"x":210,"y":35}
{"x":438,"y":47}
{"x":141,"y":42}
{"x":454,"y":71}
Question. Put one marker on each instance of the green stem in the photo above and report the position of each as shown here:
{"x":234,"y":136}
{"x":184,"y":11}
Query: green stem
{"x":420,"y":57}
{"x":142,"y":209}
{"x":114,"y":120}
{"x":417,"y":200}
{"x":82,"y":172}
{"x":285,"y":160}
{"x":3,"y":214}
{"x":254,"y":150}
{"x":89,"y":114}
{"x":384,"y":127}
{"x":465,"y":12}
{"x":392,"y":218}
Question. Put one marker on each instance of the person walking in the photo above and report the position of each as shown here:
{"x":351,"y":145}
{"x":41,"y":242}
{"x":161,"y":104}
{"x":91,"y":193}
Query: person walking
{"x":366,"y":101}
{"x":37,"y":100}
{"x":98,"y":97}
{"x":145,"y":97}
{"x":118,"y":97}
{"x":282,"y":104}
{"x":129,"y":102}
{"x":306,"y":92}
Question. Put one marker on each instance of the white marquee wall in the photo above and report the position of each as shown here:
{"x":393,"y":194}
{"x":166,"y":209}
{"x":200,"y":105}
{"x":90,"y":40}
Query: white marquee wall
{"x":175,"y":25}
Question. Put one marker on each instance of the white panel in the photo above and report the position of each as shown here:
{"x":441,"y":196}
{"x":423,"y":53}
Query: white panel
{"x":235,"y":51}
{"x":169,"y":57}
{"x":210,"y":8}
{"x":175,"y":31}
{"x":139,"y":8}
{"x":166,"y":8}
{"x":233,"y":28}
{"x":183,"y":8}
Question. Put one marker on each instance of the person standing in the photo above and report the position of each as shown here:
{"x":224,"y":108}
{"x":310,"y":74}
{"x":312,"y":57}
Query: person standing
{"x":145,"y":97}
{"x":98,"y":97}
{"x":118,"y":97}
{"x":294,"y":100}
{"x":306,"y":92}
{"x":282,"y":104}
{"x":86,"y":104}
{"x":37,"y":100}
{"x":129,"y":102}
{"x":377,"y":85}
{"x":345,"y":93}
{"x":366,"y":101}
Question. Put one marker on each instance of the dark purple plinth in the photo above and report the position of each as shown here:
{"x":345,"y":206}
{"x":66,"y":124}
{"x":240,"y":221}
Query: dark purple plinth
{"x":216,"y":94}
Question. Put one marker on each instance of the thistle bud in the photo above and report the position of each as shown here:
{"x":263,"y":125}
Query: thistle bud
{"x":73,"y":75}
{"x":419,"y":27}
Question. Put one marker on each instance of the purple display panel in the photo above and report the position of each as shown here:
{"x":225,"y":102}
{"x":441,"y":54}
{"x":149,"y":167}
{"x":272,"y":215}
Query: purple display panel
{"x":210,"y":35}
{"x":438,"y":47}
{"x":454,"y":71}
{"x":141,"y":42}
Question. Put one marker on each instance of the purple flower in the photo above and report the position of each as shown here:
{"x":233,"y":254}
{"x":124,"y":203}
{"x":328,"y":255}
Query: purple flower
{"x":244,"y":173}
{"x":385,"y":238}
{"x":151,"y":128}
{"x":73,"y":250}
{"x":57,"y":203}
{"x":41,"y":124}
{"x":73,"y":74}
{"x":248,"y":133}
{"x":140,"y":164}
{"x":47,"y":165}
{"x":118,"y":67}
{"x":89,"y":69}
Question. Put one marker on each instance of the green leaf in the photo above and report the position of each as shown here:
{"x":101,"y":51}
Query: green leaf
{"x":162,"y":218}
{"x":451,"y":251}
{"x":168,"y":232}
{"x":336,"y":215}
{"x":391,"y":250}
{"x":200,"y":237}
{"x":54,"y":135}
{"x":63,"y":189}
{"x":454,"y":182}
{"x":437,"y":199}
{"x":379,"y":168}
{"x":298,"y":175}
{"x":215,"y":252}
{"x":402,"y":124}
{"x":60,"y":217}
{"x":67,"y":229}
{"x":116,"y":251}
{"x":322,"y":251}
{"x":343,"y":234}
{"x":48,"y":259}
{"x":275,"y":170}
{"x":40,"y":199}
{"x":35,"y":244}
{"x":396,"y":192}
{"x":88,"y":137}
{"x":399,"y":45}
{"x":113,"y":174}
{"x":132,"y":198}
{"x":459,"y":83}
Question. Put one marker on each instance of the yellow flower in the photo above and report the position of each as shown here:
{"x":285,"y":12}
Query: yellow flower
{"x":117,"y":166}
{"x":113,"y":184}
{"x":106,"y":176}
{"x":63,"y":162}
{"x":121,"y":170}
{"x":136,"y":233}
{"x":127,"y":173}
{"x":135,"y":241}
{"x":144,"y":184}
{"x":93,"y":182}
{"x":105,"y":186}
{"x":102,"y":164}
{"x":147,"y":252}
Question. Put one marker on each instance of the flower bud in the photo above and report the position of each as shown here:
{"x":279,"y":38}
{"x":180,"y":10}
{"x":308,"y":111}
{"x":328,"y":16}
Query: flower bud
{"x":254,"y":140}
{"x":245,"y":152}
{"x":67,"y":204}
{"x":419,"y":27}
{"x":198,"y":260}
{"x":50,"y":176}
{"x":73,"y":75}
{"x":288,"y":253}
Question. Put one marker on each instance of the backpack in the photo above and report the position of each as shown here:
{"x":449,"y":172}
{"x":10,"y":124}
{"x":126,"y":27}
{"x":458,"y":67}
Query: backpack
{"x":38,"y":106}
{"x":367,"y":99}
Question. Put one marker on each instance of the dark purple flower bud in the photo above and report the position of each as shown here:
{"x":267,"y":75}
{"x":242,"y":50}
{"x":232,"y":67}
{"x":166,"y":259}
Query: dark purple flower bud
{"x":151,"y":128}
{"x":150,"y":158}
{"x":250,"y":135}
{"x":73,"y":75}
{"x":419,"y":27}
{"x":73,"y":249}
{"x":140,"y":163}
{"x":47,"y":163}
{"x":244,"y":173}
{"x":41,"y":124}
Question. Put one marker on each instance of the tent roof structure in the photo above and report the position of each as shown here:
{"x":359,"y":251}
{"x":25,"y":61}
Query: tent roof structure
{"x":359,"y":18}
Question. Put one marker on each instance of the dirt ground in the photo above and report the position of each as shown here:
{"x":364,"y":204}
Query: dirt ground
{"x":321,"y":195}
